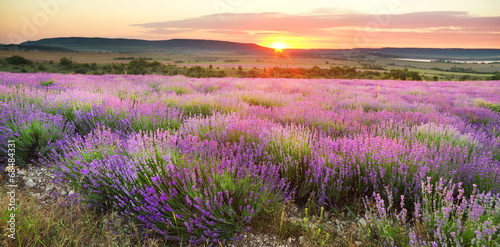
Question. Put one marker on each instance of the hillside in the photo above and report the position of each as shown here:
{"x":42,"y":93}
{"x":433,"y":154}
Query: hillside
{"x":136,"y":45}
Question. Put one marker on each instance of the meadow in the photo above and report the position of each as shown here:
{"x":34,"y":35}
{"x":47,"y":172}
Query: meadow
{"x":201,"y":161}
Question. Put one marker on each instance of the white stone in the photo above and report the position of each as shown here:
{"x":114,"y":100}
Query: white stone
{"x":362,"y":221}
{"x":30,"y":183}
{"x":49,"y":187}
{"x":301,"y":239}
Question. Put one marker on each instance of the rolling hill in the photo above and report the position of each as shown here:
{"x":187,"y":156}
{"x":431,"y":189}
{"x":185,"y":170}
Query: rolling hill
{"x":198,"y":46}
{"x":136,"y":45}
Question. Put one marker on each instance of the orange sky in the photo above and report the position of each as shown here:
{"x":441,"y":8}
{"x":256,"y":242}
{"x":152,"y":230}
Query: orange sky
{"x":315,"y":24}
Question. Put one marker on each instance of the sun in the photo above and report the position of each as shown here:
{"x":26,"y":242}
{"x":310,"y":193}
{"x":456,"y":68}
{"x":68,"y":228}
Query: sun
{"x":278,"y":47}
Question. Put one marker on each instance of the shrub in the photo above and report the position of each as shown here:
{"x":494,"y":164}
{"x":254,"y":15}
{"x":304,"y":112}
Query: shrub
{"x":35,"y":133}
{"x":41,"y":67}
{"x":177,"y":195}
{"x":66,"y":62}
{"x":18,"y":60}
{"x":88,"y":119}
{"x":443,"y":216}
{"x":46,"y":83}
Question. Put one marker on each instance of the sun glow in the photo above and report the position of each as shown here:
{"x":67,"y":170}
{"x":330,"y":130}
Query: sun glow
{"x":278,"y":47}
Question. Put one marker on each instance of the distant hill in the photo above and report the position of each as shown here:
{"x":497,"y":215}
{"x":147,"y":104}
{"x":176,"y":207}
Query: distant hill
{"x":136,"y":45}
{"x":197,"y":46}
{"x":422,"y":53}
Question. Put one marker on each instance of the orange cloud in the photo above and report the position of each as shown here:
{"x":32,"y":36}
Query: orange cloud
{"x":343,"y":30}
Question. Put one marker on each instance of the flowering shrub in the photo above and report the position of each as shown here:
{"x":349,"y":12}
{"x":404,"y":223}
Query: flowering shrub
{"x":34,"y":132}
{"x":443,"y":216}
{"x":178,"y":195}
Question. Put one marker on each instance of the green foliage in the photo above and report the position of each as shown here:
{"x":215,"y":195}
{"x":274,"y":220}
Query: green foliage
{"x":487,"y":105}
{"x":495,"y":77}
{"x":34,"y":140}
{"x":372,"y":66}
{"x":398,"y":74}
{"x":157,"y":169}
{"x":442,"y":217}
{"x":41,"y":67}
{"x":179,"y":90}
{"x":201,"y":72}
{"x":138,"y":67}
{"x":80,"y":69}
{"x":46,"y":83}
{"x":260,"y":99}
{"x":18,"y":60}
{"x":435,"y":135}
{"x":65,"y":62}
{"x":315,"y":228}
{"x":289,"y":148}
{"x":155,"y":122}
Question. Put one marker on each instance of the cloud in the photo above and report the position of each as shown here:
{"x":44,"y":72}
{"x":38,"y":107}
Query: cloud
{"x":334,"y":23}
{"x":167,"y":31}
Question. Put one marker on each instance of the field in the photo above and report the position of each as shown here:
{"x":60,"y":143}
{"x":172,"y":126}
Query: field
{"x":206,"y":161}
{"x":230,"y":61}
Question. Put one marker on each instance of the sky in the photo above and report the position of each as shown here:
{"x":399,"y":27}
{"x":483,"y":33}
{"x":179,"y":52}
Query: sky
{"x":272,"y":23}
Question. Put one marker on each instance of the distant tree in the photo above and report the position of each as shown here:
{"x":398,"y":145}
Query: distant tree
{"x":80,"y":69}
{"x":155,"y":64}
{"x":66,"y":62}
{"x":435,"y":78}
{"x":18,"y":60}
{"x":41,"y":67}
{"x":464,"y":78}
{"x":495,"y":77}
{"x":93,"y":66}
{"x":138,"y":67}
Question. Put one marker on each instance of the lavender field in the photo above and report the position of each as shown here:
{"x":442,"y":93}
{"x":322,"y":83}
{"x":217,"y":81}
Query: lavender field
{"x":198,"y":161}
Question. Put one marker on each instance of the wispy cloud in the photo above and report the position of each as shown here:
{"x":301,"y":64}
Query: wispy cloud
{"x":423,"y":27}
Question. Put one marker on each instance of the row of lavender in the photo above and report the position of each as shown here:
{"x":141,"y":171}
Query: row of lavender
{"x":197,"y":160}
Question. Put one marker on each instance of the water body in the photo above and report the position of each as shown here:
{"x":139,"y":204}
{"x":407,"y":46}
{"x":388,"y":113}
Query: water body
{"x":449,"y":61}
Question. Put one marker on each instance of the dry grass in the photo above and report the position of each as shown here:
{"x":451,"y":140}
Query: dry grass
{"x":62,"y":225}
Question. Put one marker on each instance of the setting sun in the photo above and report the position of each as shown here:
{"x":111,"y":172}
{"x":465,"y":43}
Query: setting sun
{"x":278,"y":47}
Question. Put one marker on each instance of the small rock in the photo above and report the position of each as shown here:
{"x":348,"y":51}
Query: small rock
{"x":71,"y":192}
{"x":362,"y":222}
{"x":358,"y":243}
{"x":20,"y":172}
{"x":49,"y":187}
{"x":30,"y":183}
{"x":290,"y":240}
{"x":63,"y":193}
{"x":327,"y":215}
{"x":301,"y":240}
{"x":36,"y":195}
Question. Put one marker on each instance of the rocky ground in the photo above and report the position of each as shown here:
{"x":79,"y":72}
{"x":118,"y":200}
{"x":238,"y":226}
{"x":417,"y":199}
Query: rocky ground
{"x":41,"y":184}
